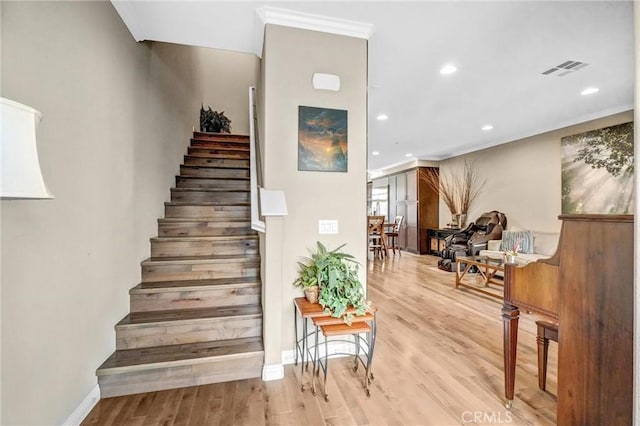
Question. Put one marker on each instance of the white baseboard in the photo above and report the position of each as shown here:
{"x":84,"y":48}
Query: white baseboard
{"x":84,"y":408}
{"x":272,"y":372}
{"x":276,"y":371}
{"x":288,"y":357}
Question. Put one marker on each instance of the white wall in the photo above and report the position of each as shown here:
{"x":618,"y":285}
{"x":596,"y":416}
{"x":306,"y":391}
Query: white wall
{"x":289,"y":64}
{"x":523,"y":178}
{"x":117,"y":118}
{"x":68,"y":263}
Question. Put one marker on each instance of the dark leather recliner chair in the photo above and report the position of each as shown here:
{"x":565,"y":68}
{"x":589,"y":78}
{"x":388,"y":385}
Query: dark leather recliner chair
{"x":472,"y":239}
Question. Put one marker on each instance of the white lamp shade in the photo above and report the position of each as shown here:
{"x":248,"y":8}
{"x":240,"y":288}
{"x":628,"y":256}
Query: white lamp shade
{"x":20,"y":175}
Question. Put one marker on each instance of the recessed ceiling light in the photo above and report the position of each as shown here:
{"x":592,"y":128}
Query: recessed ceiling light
{"x":382,"y":117}
{"x":375,"y":153}
{"x":589,"y":91}
{"x":448,"y":69}
{"x":487,"y":127}
{"x":408,"y":155}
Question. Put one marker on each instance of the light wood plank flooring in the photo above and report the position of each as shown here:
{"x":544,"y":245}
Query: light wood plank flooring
{"x":438,"y":361}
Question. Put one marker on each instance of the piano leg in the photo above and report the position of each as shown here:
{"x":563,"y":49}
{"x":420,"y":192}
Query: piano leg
{"x":510,"y":316}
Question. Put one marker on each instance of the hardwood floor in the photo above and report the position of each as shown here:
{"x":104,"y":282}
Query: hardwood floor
{"x":438,"y":361}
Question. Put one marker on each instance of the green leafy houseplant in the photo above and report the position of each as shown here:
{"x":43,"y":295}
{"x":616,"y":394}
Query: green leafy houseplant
{"x":336,"y":273}
{"x":214,"y":121}
{"x":308,"y":280}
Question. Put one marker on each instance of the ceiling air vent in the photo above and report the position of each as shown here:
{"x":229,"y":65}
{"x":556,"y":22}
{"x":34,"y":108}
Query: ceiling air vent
{"x":565,"y":68}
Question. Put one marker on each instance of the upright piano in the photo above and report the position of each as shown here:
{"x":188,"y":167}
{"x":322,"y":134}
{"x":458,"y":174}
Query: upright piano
{"x":587,"y":287}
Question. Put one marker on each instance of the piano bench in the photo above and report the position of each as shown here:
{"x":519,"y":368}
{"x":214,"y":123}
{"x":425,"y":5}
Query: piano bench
{"x":546,"y":331}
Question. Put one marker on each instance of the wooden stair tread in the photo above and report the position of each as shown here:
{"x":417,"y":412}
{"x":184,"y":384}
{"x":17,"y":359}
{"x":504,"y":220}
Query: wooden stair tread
{"x":206,"y":189}
{"x":213,"y":178}
{"x":222,"y":146}
{"x":232,"y":220}
{"x":212,"y":145}
{"x":213,"y":166}
{"x":155,"y":317}
{"x":166,"y":286}
{"x":212,"y":135}
{"x":207,"y":203}
{"x":174,"y":355}
{"x":221,"y":161}
{"x":219,"y":258}
{"x":220,"y":238}
{"x":220,"y":156}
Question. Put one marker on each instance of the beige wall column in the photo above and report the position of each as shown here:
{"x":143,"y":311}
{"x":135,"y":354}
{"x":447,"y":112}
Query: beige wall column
{"x":291,"y":57}
{"x":272,"y":298}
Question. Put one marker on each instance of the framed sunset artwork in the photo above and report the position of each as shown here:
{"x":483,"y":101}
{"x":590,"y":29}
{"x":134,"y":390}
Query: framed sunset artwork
{"x":322,"y":139}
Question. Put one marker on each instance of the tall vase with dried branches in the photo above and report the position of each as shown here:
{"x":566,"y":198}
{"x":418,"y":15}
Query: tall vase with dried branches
{"x":457,"y":190}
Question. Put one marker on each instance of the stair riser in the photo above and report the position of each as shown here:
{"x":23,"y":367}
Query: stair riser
{"x":218,"y":153}
{"x":199,"y":271}
{"x":156,"y":379}
{"x":190,"y":160}
{"x":205,"y":196}
{"x":231,"y":212}
{"x":229,"y":184}
{"x":193,"y":299}
{"x":204,"y":229}
{"x":235,"y":145}
{"x":161,"y":249}
{"x":216,"y":173}
{"x":182,"y":332}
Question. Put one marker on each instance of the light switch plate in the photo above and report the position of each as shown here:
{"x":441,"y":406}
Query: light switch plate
{"x":327,"y":226}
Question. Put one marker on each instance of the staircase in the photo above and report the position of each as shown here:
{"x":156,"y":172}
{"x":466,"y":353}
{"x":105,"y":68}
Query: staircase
{"x":196,"y":317}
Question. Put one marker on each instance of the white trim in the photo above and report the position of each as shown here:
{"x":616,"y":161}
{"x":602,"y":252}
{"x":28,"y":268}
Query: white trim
{"x":272,"y":372}
{"x":256,"y":223}
{"x":308,"y":21}
{"x":84,"y":408}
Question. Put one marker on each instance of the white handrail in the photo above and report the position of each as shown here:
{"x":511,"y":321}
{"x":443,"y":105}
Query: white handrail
{"x":256,"y":223}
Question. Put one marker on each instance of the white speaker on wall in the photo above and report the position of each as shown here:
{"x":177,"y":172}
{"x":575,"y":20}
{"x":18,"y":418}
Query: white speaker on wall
{"x":326,"y":82}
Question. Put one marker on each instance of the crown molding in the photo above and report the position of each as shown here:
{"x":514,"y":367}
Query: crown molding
{"x":308,"y":21}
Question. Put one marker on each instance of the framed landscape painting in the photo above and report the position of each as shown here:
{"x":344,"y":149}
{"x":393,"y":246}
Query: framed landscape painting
{"x":322,"y":139}
{"x":597,"y":171}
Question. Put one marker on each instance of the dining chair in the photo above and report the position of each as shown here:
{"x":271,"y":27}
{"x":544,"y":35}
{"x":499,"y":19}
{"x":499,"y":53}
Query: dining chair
{"x":376,"y":236}
{"x":394,"y":234}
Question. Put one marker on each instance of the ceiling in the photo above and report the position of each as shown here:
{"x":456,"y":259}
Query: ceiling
{"x":500,"y":50}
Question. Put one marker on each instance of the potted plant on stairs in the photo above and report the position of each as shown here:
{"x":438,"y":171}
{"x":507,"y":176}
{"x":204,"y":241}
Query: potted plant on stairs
{"x":335,"y":273}
{"x":214,"y":121}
